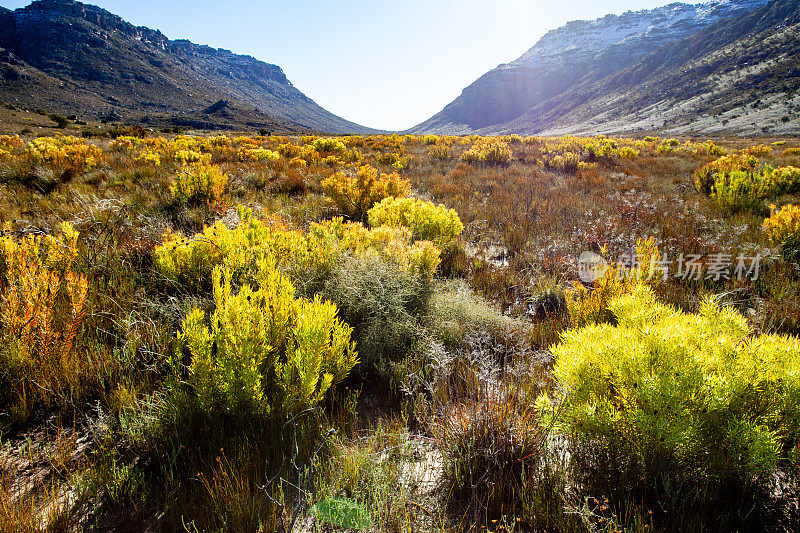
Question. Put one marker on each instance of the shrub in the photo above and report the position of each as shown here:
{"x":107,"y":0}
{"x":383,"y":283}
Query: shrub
{"x":199,"y":182}
{"x":306,"y":257}
{"x":64,"y":153}
{"x":355,"y":195}
{"x":382,"y":301}
{"x":395,"y":159}
{"x":60,"y":120}
{"x":783,"y":230}
{"x":297,"y":162}
{"x":257,"y":154}
{"x":705,"y":177}
{"x":148,"y":158}
{"x":487,"y":151}
{"x":330,"y":146}
{"x":266,"y":351}
{"x":307,"y":154}
{"x":738,"y":191}
{"x":492,"y":452}
{"x":190,"y":261}
{"x":185,"y":157}
{"x":426,"y":220}
{"x":784,"y":224}
{"x":791,"y":151}
{"x":782,"y":180}
{"x":568,"y":162}
{"x":440,"y":151}
{"x":455,"y":314}
{"x":607,"y":149}
{"x":711,"y":148}
{"x":666,"y":399}
{"x":736,"y":185}
{"x":42,"y":309}
{"x":762,"y":150}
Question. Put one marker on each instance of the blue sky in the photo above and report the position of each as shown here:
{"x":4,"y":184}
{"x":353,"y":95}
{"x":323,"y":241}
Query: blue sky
{"x":385,"y":64}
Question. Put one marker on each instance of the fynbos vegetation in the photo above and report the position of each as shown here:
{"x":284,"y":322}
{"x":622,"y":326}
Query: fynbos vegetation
{"x":399,"y":333}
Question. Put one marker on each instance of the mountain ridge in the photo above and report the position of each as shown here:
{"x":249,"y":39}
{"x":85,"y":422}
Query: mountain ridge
{"x":578,"y":54}
{"x":92,"y":62}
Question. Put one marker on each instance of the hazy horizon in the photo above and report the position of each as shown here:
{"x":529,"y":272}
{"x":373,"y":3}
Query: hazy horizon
{"x":383,"y":66}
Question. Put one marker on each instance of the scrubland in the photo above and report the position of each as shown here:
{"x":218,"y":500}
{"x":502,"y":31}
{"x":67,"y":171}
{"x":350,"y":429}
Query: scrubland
{"x":393,"y":333}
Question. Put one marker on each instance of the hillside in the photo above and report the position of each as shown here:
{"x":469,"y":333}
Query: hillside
{"x":573,"y":63}
{"x":739,"y":76}
{"x":78,"y":59}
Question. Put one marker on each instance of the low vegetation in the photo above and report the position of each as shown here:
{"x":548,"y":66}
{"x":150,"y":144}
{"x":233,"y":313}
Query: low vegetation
{"x":399,"y":333}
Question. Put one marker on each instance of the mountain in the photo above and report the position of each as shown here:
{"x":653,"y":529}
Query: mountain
{"x":78,"y":59}
{"x":609,"y":75}
{"x":740,"y":76}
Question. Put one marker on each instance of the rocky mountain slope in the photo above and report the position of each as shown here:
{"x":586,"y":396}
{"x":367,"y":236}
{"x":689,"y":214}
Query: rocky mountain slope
{"x":74,"y":58}
{"x":570,"y":66}
{"x":740,"y":76}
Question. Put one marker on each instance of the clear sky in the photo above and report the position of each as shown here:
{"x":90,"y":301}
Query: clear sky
{"x":384,"y":64}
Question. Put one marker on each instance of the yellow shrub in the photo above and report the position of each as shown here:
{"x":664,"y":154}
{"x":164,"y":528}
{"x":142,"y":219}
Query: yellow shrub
{"x":329,"y":146}
{"x":266,"y":351}
{"x":148,"y":158}
{"x":440,"y":151}
{"x":64,"y":153}
{"x":41,"y":313}
{"x":306,"y":257}
{"x":591,"y":305}
{"x":762,"y":150}
{"x":710,"y":147}
{"x":190,"y":156}
{"x":487,"y":151}
{"x":783,"y":225}
{"x":11,"y":143}
{"x":332,"y":161}
{"x":189,"y":261}
{"x":307,"y":154}
{"x":426,"y":220}
{"x":257,"y":154}
{"x":681,"y":395}
{"x":568,"y":162}
{"x":791,"y":151}
{"x":782,"y":180}
{"x":705,"y":176}
{"x":397,"y":160}
{"x":199,"y":182}
{"x":355,"y":195}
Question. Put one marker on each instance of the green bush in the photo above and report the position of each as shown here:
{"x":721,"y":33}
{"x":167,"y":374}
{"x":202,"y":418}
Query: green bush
{"x":669,"y":399}
{"x":455,"y":313}
{"x":383,"y":303}
{"x":426,"y":220}
{"x":265,"y":351}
